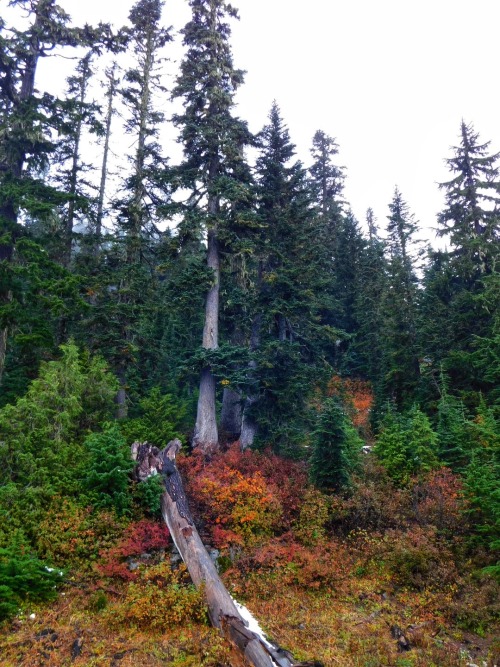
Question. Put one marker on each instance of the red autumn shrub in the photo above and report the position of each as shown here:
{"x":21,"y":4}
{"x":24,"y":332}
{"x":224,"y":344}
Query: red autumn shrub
{"x":418,"y":558}
{"x":241,"y":505}
{"x":439,"y":501}
{"x":285,"y":483}
{"x":141,"y":537}
{"x":357,"y":396}
{"x":289,"y":563}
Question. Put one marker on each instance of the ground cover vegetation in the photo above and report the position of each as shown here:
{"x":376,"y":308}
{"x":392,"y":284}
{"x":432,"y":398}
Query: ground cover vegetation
{"x":335,"y":391}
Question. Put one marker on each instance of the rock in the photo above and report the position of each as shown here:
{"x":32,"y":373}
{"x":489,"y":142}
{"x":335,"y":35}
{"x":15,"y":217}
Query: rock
{"x":44,"y":633}
{"x":133,"y":565}
{"x":403,"y":643}
{"x":175,"y":559}
{"x":76,"y":648}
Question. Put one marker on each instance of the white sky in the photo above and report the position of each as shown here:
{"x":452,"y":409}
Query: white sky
{"x":389,"y":79}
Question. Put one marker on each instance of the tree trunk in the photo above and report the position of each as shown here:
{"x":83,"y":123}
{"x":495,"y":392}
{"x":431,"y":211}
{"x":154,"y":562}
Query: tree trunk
{"x":4,"y":332}
{"x":104,"y":166}
{"x":206,"y":435}
{"x":121,"y":396}
{"x":231,"y":414}
{"x":249,"y":424}
{"x":221,"y":608}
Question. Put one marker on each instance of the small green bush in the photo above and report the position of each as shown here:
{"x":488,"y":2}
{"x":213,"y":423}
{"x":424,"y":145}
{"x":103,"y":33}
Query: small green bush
{"x":23,"y":577}
{"x":108,"y":470}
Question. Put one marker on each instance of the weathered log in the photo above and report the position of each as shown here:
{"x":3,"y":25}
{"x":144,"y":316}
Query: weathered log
{"x":221,"y":608}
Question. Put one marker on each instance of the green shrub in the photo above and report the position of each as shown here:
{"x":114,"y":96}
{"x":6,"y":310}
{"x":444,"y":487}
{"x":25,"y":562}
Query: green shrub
{"x":107,"y":477}
{"x":149,"y":493}
{"x":23,"y":577}
{"x":40,"y":435}
{"x":160,"y":421}
{"x":407,"y":445}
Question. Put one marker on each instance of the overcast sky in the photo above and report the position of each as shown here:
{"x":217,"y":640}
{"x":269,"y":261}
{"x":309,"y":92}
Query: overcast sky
{"x":389,"y":79}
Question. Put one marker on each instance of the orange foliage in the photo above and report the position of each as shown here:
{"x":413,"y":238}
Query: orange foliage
{"x":238,"y":507}
{"x":358,"y":396}
{"x":241,"y":497}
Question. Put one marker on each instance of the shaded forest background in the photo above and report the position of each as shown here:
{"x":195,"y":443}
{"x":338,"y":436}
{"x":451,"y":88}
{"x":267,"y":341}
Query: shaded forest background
{"x":325,"y":340}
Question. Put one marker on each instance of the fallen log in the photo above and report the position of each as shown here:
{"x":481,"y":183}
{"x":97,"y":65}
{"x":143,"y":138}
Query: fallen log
{"x":221,"y":608}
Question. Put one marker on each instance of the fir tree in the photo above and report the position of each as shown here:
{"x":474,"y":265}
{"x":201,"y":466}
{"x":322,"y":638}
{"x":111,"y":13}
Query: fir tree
{"x":402,"y":367}
{"x":336,"y":450}
{"x":214,"y":170}
{"x":471,"y":216}
{"x":291,"y":291}
{"x":27,"y":121}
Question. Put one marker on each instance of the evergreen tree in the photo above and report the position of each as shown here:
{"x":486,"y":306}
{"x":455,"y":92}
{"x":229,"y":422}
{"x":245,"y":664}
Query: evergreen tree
{"x":80,"y":116}
{"x":291,"y":289}
{"x":406,"y":445}
{"x":214,"y":170}
{"x":471,"y":216}
{"x":401,"y":353}
{"x":27,"y":121}
{"x":459,"y":284}
{"x":451,"y":430}
{"x":369,"y":341}
{"x":123,"y":285}
{"x":346,"y":285}
{"x":327,"y":179}
{"x":336,"y":450}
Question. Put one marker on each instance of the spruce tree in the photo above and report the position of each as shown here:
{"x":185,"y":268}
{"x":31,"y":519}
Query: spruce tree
{"x":336,"y":449}
{"x":471,"y":216}
{"x":214,"y":171}
{"x":292,"y":289}
{"x":28,"y":121}
{"x":401,"y":353}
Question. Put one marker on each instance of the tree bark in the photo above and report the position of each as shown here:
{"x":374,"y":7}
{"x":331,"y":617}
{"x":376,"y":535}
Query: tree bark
{"x":249,"y":425}
{"x":231,"y":414}
{"x":206,"y":435}
{"x":104,"y":166}
{"x":4,"y":332}
{"x":221,"y":608}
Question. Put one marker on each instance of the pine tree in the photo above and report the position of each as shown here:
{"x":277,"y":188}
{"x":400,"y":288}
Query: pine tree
{"x":214,"y":170}
{"x":27,"y":121}
{"x":336,"y":450}
{"x":291,"y":291}
{"x":129,"y":294}
{"x":402,"y":367}
{"x":471,"y":216}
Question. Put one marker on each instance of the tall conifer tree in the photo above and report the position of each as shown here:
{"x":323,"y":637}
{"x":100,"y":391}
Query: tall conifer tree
{"x":214,"y":170}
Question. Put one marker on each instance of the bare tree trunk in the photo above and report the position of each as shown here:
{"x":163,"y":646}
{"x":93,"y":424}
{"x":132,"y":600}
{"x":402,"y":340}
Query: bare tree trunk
{"x":3,"y":350}
{"x":121,"y":396}
{"x":249,"y":424}
{"x":104,"y":166}
{"x":206,"y":435}
{"x":221,"y":608}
